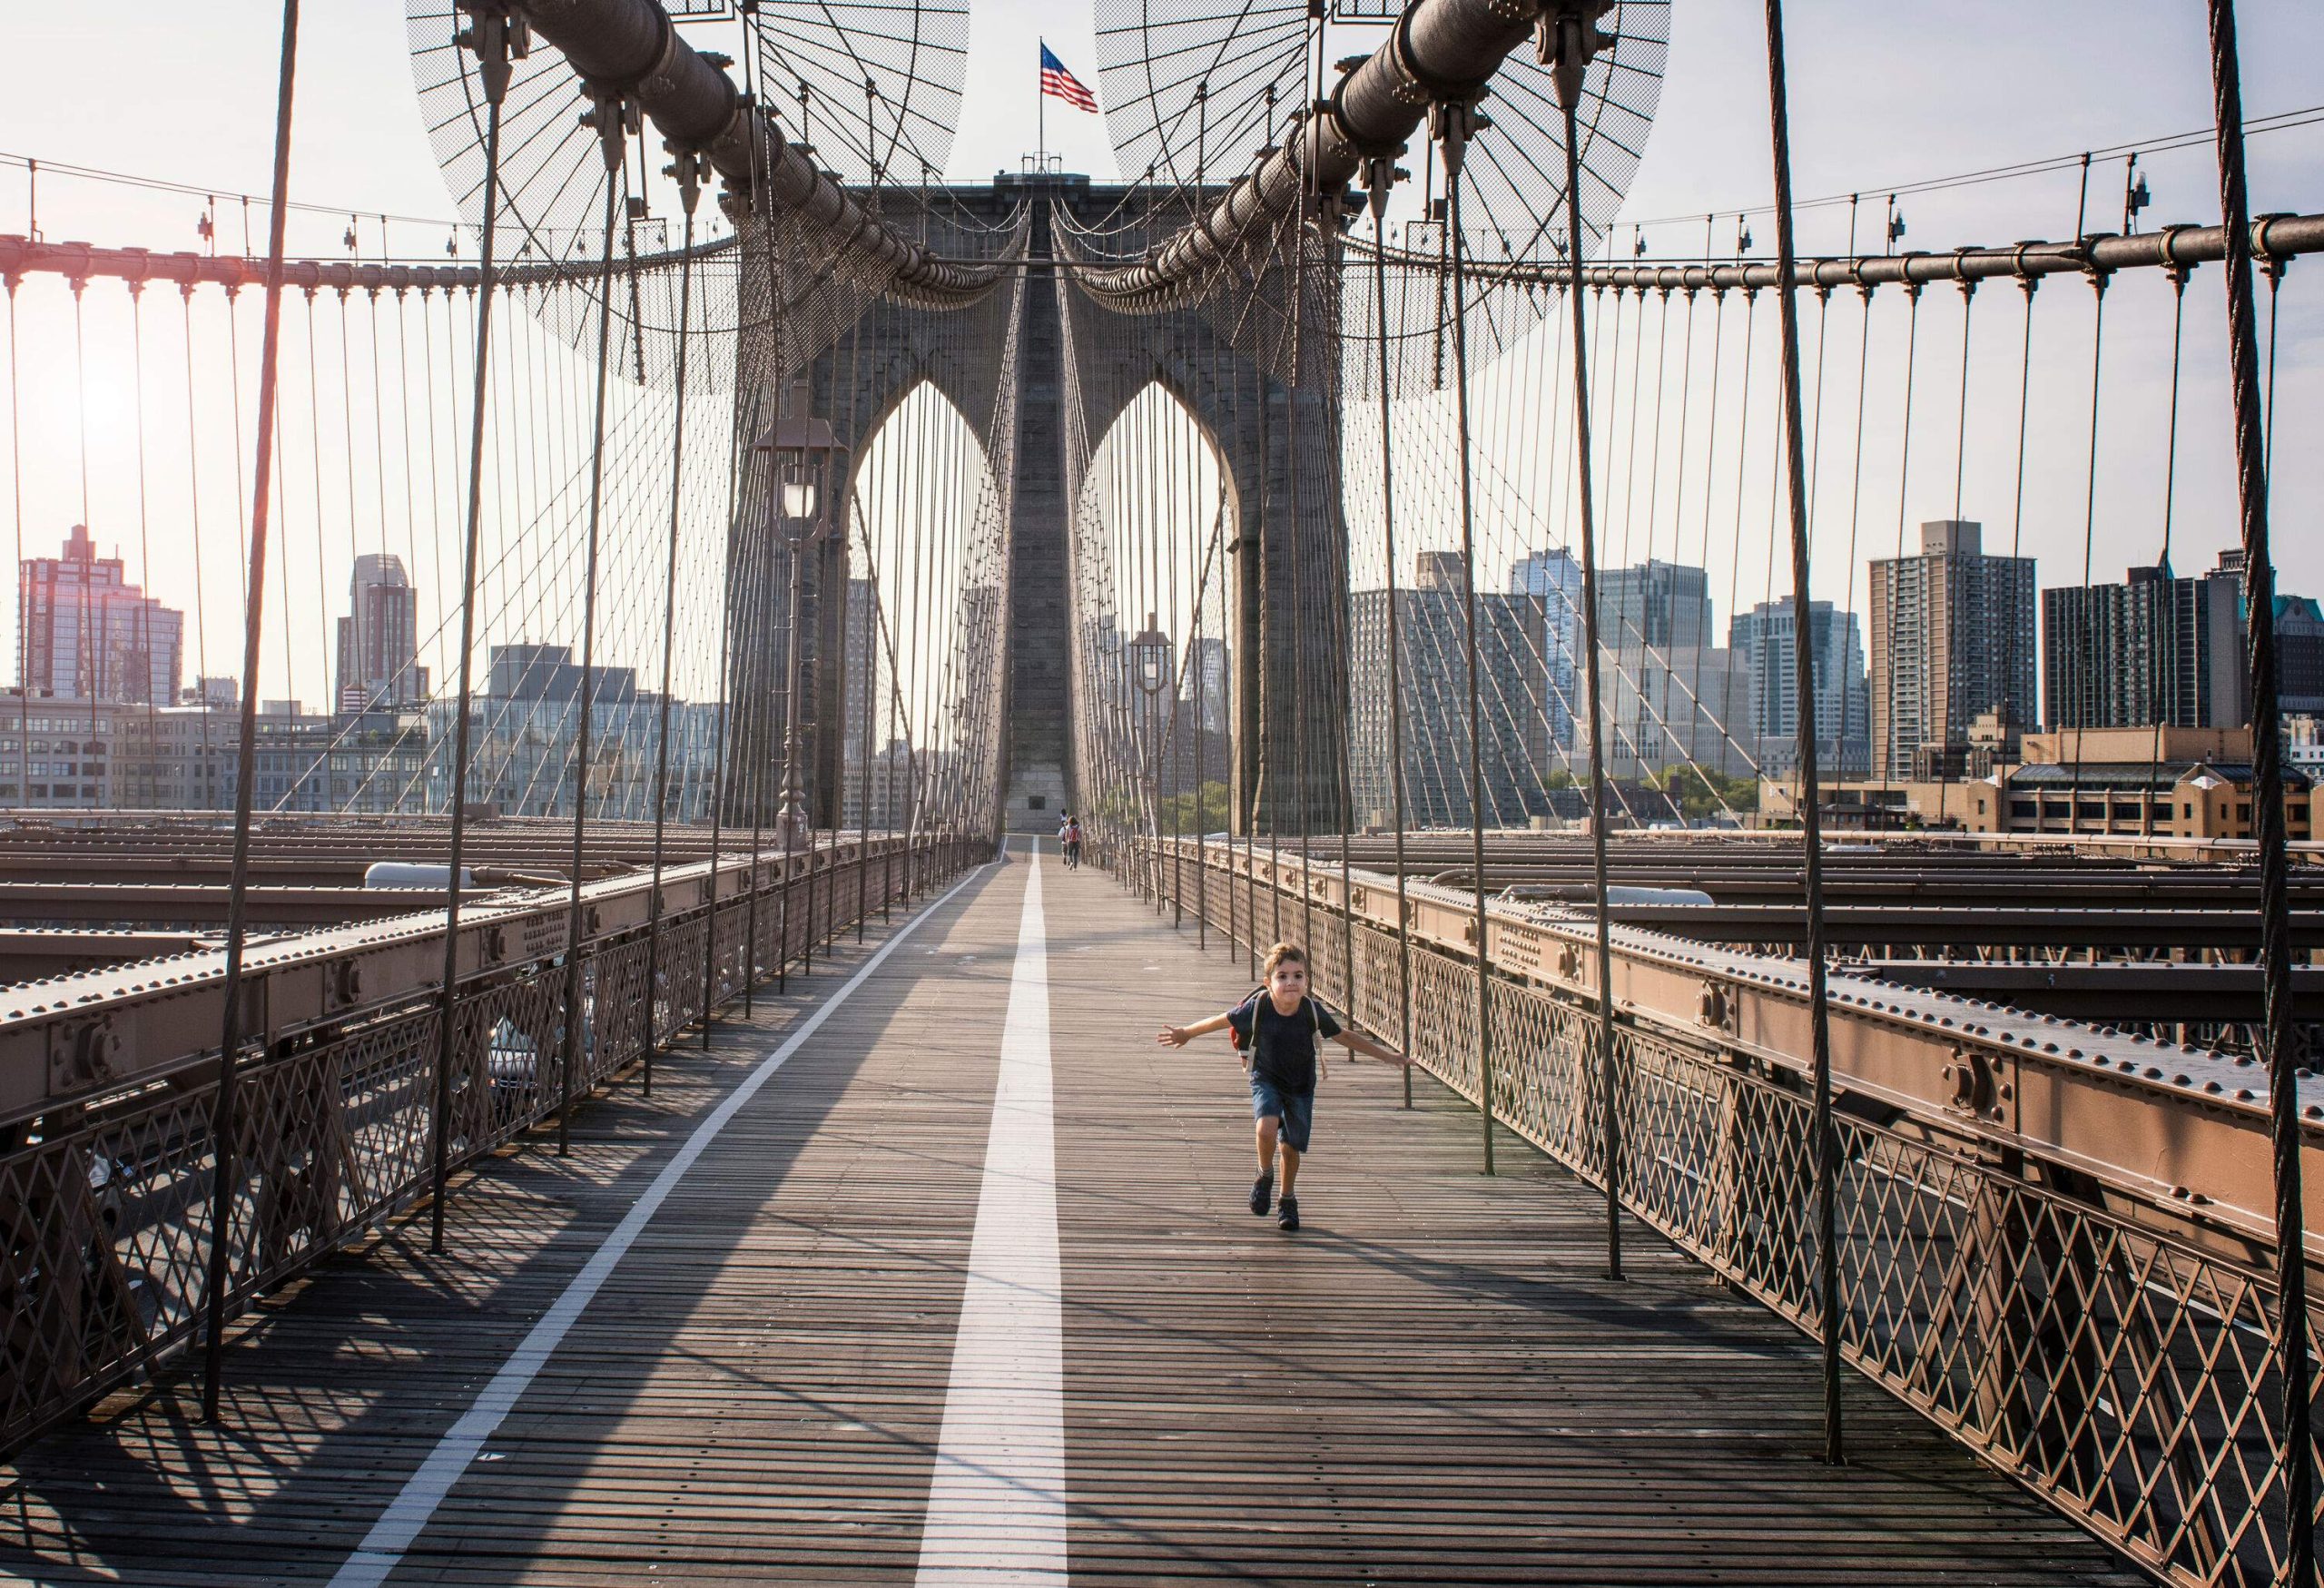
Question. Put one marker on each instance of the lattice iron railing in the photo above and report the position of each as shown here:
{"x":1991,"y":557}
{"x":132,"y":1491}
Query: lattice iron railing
{"x":2123,"y":1375}
{"x":106,"y":1207}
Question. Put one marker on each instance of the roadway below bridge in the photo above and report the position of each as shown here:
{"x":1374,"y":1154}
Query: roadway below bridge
{"x":938,"y":1267}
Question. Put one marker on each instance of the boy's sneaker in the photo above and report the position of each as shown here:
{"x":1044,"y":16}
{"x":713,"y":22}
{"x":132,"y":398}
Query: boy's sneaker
{"x":1261,"y":1192}
{"x":1286,"y":1214}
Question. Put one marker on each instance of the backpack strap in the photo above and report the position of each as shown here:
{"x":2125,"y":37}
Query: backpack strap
{"x":1250,"y":1044}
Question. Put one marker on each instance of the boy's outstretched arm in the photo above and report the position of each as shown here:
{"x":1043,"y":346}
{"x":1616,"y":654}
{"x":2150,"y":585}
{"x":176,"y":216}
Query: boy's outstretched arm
{"x":1179,"y":1036}
{"x":1355,"y":1041}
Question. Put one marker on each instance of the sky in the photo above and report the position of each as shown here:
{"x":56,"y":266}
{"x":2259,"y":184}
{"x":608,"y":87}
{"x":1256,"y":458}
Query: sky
{"x":1881,"y":96}
{"x":1878,"y":96}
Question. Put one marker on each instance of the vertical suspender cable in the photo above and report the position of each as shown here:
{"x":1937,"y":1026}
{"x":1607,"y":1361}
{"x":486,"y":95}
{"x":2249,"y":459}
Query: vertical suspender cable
{"x":88,"y":674}
{"x":722,"y":783}
{"x":1308,"y":751}
{"x":223,"y":1122}
{"x":1294,"y":467}
{"x":2086,"y":712}
{"x":206,"y":781}
{"x":153,"y":701}
{"x":491,"y":36}
{"x":1826,"y":1143}
{"x":870,"y":689}
{"x":608,"y":115}
{"x":2163,"y":692}
{"x":1574,"y":43}
{"x":1201,"y":671}
{"x":1383,"y":176}
{"x":2016,"y":652}
{"x":1903,"y":480}
{"x":1454,"y":120}
{"x":1179,"y":492}
{"x":16,"y":492}
{"x":689,"y":169}
{"x":2278,"y":1042}
{"x":762,"y":207}
{"x":863,"y":771}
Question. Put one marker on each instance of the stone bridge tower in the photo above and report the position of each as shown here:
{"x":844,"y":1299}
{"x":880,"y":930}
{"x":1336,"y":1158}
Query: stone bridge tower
{"x":1278,"y":445}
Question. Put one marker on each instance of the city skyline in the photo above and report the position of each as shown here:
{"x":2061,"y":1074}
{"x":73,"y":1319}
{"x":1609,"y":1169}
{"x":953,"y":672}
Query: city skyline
{"x":1673,"y":694}
{"x":1691,"y":168}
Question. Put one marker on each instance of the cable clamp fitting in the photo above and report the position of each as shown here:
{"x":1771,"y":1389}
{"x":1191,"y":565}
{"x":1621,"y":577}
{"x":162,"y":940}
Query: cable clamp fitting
{"x":1566,"y":38}
{"x":1380,"y":174}
{"x":496,"y":35}
{"x":614,"y":116}
{"x":691,"y":168}
{"x":1452,"y":123}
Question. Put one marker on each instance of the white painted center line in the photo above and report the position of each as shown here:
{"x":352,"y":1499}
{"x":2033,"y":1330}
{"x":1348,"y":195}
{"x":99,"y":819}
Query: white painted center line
{"x":996,"y":1500}
{"x":383,"y":1547}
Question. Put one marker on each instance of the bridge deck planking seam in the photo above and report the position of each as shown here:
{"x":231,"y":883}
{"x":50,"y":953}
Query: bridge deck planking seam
{"x":1437,"y":1334}
{"x":1528,"y":1422}
{"x":517,"y":1235}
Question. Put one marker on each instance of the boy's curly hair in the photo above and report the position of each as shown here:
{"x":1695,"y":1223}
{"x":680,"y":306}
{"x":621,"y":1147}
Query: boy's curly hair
{"x":1285,"y":953}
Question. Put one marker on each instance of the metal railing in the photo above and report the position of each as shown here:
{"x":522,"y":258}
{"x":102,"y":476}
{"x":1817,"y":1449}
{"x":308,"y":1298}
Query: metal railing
{"x":106,"y":1204}
{"x":2121,"y":1372}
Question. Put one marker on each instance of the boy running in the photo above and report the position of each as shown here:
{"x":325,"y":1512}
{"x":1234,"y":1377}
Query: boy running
{"x":1279,"y":1026}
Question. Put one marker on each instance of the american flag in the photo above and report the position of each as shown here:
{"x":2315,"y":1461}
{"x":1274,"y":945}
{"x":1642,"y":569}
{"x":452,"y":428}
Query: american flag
{"x":1057,"y":80}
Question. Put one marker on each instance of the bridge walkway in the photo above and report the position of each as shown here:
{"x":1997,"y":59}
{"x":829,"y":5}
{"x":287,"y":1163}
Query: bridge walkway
{"x":864,"y":1336}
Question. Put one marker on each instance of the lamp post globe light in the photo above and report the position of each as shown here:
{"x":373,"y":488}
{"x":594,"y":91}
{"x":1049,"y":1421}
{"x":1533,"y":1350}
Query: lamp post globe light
{"x":1149,"y":658}
{"x":1149,"y":668}
{"x":802,"y":453}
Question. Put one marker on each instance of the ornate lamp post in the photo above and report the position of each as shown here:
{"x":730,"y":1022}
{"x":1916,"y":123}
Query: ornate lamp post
{"x":1149,"y":670}
{"x":803,"y":451}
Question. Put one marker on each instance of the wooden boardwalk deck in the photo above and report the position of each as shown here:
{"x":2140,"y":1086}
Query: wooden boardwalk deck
{"x":1430,"y":1383}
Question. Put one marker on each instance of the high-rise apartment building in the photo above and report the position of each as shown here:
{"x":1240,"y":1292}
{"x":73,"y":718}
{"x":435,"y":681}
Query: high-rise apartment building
{"x":88,"y":634}
{"x":1654,"y":606}
{"x":2155,"y":649}
{"x":1433,"y":661}
{"x":524,"y":738}
{"x":1203,"y":695}
{"x":1763,"y":638}
{"x":1552,"y":577}
{"x":1951,"y":638}
{"x":2299,"y":655}
{"x":379,"y":639}
{"x":1673,"y":694}
{"x":865,"y":676}
{"x":1691,"y":706}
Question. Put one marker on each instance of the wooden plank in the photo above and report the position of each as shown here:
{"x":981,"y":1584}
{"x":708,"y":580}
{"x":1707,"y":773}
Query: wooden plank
{"x":1432,"y":1382}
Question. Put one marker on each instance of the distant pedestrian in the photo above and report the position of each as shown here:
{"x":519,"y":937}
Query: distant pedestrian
{"x":1072,"y":842}
{"x":1279,"y":1030}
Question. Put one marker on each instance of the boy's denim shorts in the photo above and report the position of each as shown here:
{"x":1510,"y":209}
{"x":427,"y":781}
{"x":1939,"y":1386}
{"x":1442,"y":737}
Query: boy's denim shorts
{"x":1296,"y":1109}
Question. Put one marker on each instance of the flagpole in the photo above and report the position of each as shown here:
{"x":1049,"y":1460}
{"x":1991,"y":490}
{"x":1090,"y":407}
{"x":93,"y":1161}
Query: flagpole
{"x":1041,"y":110}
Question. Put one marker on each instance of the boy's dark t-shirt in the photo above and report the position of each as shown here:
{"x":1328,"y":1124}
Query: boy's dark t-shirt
{"x":1283,"y":1052}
